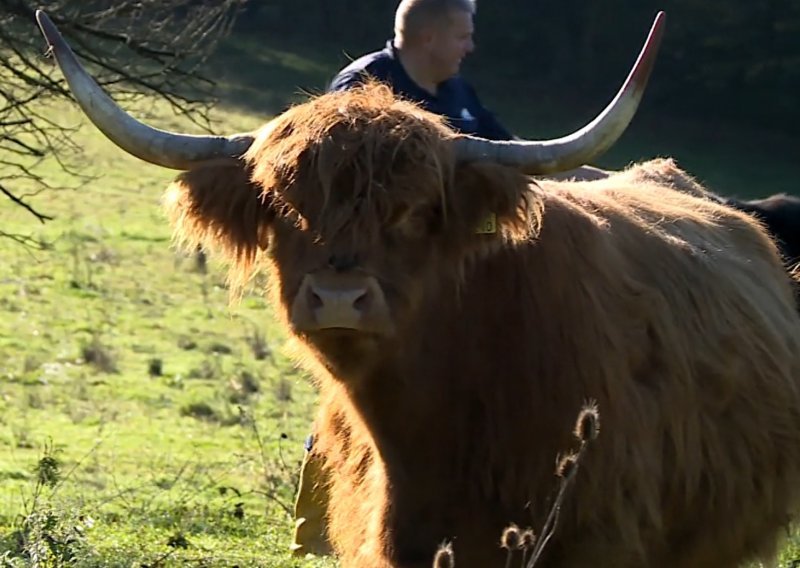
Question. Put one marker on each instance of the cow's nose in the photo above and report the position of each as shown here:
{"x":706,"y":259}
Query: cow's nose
{"x":338,"y":301}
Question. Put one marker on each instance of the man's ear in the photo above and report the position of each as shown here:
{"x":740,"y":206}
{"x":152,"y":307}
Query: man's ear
{"x":217,"y":205}
{"x":426,"y":36}
{"x":488,"y":202}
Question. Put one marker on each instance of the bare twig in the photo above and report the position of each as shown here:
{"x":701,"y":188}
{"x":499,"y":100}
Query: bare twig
{"x":41,"y":216}
{"x":137,"y":48}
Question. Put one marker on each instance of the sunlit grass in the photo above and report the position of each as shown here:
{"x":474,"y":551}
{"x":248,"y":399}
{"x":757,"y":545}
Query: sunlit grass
{"x":176,"y":437}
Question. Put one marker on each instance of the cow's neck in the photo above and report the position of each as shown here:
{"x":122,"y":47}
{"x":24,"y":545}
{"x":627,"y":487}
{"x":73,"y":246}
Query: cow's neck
{"x":450,"y":406}
{"x":472,"y":359}
{"x":398,"y":405}
{"x":425,"y":408}
{"x":402,"y":411}
{"x":411,"y":401}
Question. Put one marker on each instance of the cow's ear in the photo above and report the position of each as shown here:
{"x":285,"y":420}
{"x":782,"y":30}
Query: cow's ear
{"x":217,"y":206}
{"x":489,"y":203}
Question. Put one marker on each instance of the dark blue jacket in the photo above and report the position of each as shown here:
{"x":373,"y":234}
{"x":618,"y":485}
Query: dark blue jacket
{"x":455,"y":98}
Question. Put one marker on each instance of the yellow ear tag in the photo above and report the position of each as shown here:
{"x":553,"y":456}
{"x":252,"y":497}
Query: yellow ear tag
{"x":488,"y":226}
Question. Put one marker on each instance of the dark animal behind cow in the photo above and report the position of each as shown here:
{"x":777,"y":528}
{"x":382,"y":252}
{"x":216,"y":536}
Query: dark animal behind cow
{"x":781,"y":215}
{"x":451,"y":364}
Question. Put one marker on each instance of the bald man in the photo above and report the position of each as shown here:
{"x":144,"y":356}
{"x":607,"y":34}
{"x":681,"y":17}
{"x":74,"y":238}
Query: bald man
{"x":422,"y":63}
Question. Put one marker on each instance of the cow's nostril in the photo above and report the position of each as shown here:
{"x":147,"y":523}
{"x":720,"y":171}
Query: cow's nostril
{"x":362,"y":302}
{"x":314,"y":299}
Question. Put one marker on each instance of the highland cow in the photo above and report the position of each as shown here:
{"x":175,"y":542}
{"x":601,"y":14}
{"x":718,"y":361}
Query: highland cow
{"x":457,"y":314}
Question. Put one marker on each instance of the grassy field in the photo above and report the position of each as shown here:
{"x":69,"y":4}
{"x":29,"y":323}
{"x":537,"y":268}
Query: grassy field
{"x":143,"y":421}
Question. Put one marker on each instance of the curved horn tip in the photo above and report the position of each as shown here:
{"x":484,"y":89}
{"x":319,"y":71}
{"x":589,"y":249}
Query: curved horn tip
{"x":47,"y":27}
{"x":42,"y":18}
{"x":658,"y":22}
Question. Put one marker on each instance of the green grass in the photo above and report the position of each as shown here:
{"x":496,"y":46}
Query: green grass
{"x":176,"y":420}
{"x":195,"y":464}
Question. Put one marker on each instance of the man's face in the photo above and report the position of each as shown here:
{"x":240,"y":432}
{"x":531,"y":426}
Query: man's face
{"x":450,"y":42}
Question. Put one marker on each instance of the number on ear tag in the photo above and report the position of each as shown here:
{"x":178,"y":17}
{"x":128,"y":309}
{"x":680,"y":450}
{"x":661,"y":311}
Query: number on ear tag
{"x":488,"y":226}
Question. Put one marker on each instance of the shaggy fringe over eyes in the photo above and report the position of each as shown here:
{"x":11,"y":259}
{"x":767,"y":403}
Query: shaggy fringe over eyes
{"x":352,"y":158}
{"x":363,"y":158}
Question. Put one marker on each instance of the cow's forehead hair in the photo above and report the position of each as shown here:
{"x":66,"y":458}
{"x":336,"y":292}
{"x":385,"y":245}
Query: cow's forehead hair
{"x":354,"y":155}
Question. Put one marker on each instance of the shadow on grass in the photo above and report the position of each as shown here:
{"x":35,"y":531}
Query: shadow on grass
{"x":266,"y":76}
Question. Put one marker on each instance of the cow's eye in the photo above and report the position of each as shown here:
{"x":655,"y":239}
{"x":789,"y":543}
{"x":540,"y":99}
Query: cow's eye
{"x":406,"y":228}
{"x":415,"y":225}
{"x":434,"y":220}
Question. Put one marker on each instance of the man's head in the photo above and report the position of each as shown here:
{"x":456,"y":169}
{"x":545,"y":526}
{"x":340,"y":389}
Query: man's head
{"x":440,"y":31}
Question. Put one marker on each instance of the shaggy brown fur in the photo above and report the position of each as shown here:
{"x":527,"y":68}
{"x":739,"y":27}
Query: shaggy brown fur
{"x":672,"y":311}
{"x":779,"y":213}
